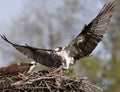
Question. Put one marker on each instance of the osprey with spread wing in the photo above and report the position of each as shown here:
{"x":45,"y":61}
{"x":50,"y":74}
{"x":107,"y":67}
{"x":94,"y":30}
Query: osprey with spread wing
{"x":79,"y":47}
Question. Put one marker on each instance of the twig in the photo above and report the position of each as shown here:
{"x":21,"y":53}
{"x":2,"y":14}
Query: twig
{"x":44,"y":81}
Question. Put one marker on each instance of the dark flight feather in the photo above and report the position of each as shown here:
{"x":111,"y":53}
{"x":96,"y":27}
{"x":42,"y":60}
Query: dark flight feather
{"x":79,"y":47}
{"x":93,"y":33}
{"x":42,"y":56}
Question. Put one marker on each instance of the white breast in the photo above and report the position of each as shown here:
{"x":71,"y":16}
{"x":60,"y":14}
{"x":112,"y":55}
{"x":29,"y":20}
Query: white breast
{"x":67,"y":60}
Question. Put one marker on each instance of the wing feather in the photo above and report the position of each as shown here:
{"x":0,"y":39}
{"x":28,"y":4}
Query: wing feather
{"x":42,"y":56}
{"x":93,"y":33}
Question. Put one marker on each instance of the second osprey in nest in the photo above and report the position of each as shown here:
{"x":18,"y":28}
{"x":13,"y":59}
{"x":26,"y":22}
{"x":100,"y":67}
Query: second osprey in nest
{"x":79,"y":47}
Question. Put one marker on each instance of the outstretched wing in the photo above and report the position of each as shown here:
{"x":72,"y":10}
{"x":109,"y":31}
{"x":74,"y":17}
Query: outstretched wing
{"x":92,"y":33}
{"x":42,"y":56}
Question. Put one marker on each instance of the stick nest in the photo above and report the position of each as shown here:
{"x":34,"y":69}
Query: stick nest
{"x":43,"y":81}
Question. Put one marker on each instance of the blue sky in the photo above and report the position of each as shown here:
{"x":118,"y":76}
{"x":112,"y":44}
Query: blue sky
{"x":9,"y":9}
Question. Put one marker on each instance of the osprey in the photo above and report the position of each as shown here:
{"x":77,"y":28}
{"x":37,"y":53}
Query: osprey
{"x":81,"y":46}
{"x":15,"y":69}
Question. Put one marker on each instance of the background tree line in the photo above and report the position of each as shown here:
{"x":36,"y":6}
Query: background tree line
{"x":46,"y":26}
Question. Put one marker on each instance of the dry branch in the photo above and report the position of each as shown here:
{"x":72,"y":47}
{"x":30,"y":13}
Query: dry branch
{"x":43,"y":81}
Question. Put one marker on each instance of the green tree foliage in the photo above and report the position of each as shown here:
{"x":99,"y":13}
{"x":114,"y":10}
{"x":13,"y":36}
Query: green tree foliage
{"x":113,"y":72}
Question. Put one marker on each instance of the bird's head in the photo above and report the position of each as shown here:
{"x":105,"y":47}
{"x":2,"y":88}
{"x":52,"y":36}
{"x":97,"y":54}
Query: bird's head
{"x":59,"y":49}
{"x":32,"y":66}
{"x":32,"y":63}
